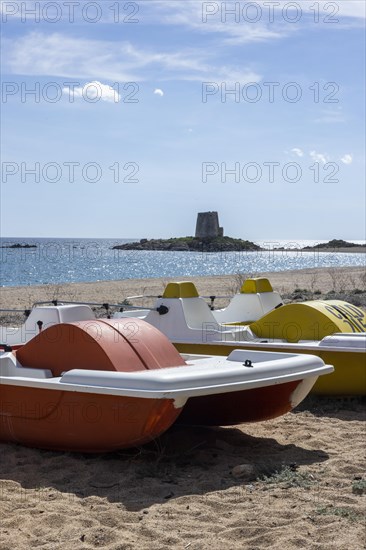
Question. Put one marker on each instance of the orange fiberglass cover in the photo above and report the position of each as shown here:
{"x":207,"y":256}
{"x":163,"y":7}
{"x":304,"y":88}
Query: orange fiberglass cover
{"x":122,"y":345}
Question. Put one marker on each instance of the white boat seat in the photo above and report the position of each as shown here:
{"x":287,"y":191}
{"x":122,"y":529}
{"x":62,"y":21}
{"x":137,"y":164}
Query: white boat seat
{"x":42,"y":317}
{"x":256,"y":298}
{"x":197,"y":312}
{"x":10,"y":367}
{"x":189,"y":316}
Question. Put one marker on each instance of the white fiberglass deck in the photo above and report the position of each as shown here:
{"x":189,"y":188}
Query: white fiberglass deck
{"x":201,"y":376}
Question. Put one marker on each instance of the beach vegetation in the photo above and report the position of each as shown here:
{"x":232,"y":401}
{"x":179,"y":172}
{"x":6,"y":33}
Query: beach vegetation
{"x":359,"y":487}
{"x":334,"y":243}
{"x":237,"y":281}
{"x":289,"y":476}
{"x":342,"y":512}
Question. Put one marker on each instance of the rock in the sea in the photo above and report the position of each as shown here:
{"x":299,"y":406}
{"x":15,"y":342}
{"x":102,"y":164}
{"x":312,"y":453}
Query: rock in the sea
{"x":214,"y":244}
{"x":180,"y":247}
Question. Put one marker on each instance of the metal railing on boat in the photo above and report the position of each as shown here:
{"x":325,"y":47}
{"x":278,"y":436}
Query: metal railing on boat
{"x":122,"y":307}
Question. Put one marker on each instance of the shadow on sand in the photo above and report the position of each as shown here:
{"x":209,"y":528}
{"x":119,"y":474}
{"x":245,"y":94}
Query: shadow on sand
{"x":184,"y":461}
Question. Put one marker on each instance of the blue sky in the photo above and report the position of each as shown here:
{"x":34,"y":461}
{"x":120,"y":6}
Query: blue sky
{"x":131,"y":128}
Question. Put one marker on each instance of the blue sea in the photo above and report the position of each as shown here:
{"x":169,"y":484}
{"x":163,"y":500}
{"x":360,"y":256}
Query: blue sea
{"x":87,"y":260}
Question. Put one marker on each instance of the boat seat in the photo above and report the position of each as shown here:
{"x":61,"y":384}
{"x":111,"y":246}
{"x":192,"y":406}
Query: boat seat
{"x":197,"y":313}
{"x":51,"y":315}
{"x":42,"y":317}
{"x":195,"y":309}
{"x":256,"y":298}
{"x":189,"y":317}
{"x":10,"y":367}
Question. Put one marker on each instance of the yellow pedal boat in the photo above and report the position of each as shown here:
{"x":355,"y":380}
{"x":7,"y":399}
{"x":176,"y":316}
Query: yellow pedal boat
{"x":256,"y":319}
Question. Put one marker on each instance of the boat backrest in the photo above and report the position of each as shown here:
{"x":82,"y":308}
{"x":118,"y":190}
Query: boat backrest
{"x":269,"y":301}
{"x":190,"y":319}
{"x":197,"y":312}
{"x":195,"y":309}
{"x":51,"y":315}
{"x":256,"y":298}
{"x":173,"y":324}
{"x":42,"y":317}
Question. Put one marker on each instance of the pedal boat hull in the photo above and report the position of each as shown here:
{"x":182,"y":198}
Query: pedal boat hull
{"x":106,"y":385}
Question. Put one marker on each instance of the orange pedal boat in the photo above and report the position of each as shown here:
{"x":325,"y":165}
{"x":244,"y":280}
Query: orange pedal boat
{"x":102,"y":385}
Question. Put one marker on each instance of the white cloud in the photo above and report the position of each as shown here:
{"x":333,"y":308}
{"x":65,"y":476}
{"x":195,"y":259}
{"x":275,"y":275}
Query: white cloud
{"x":331,"y":115}
{"x":347,"y":159}
{"x":93,"y":92}
{"x":196,"y":16}
{"x":191,"y":13}
{"x":63,"y":56}
{"x":297,"y":152}
{"x":319,"y":157}
{"x":240,"y":23}
{"x":159,"y":92}
{"x":332,"y":12}
{"x":352,"y":8}
{"x":240,"y":27}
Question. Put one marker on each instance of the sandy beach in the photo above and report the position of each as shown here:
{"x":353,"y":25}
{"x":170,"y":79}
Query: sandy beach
{"x":337,"y":279}
{"x":302,"y":484}
{"x":181,"y":491}
{"x":161,"y":139}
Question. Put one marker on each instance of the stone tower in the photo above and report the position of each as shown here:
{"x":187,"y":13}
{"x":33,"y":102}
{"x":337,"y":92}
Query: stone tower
{"x":208,"y":225}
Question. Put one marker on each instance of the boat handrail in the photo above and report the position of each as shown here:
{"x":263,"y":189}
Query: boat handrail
{"x":212,"y":298}
{"x":144,"y":296}
{"x":105,"y":305}
{"x":215,"y":297}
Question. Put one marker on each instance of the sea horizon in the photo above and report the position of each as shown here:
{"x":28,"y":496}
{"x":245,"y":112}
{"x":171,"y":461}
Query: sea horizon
{"x":307,"y":242}
{"x":59,"y":261}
